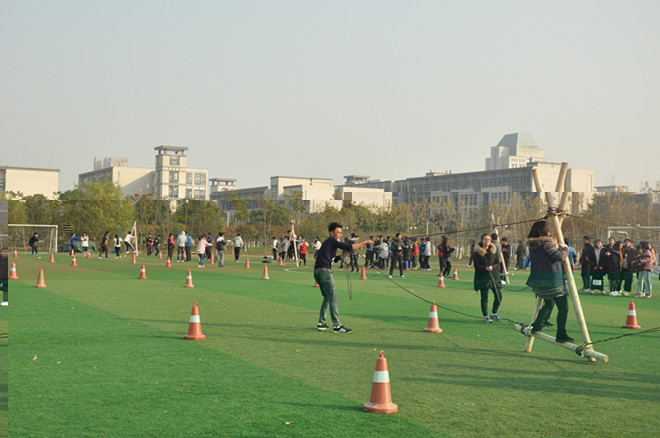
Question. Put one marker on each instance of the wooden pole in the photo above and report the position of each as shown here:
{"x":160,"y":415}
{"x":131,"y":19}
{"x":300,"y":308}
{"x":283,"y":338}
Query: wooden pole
{"x":587,"y":352}
{"x":292,"y":238}
{"x":530,"y":341}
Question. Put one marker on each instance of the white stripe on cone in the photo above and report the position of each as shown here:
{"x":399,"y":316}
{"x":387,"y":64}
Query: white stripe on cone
{"x":381,"y":377}
{"x":433,"y":314}
{"x":195,"y":318}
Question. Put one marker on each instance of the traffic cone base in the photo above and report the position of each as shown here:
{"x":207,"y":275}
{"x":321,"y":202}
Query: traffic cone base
{"x":441,"y":282}
{"x":73,"y":261}
{"x":160,"y":256}
{"x":143,"y":273}
{"x":631,"y":320}
{"x":12,"y":272}
{"x":433,"y":325}
{"x":134,"y":261}
{"x":195,"y":326}
{"x":265,"y":277}
{"x":381,"y":397}
{"x":189,"y":282}
{"x":169,"y":263}
{"x":281,"y":261}
{"x":52,"y":258}
{"x":455,"y":276}
{"x":247,"y":263}
{"x":363,"y":275}
{"x":41,"y":282}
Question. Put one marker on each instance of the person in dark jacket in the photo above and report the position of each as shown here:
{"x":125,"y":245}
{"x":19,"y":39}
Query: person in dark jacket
{"x":487,"y":276}
{"x":629,"y":255}
{"x":547,"y":279}
{"x":397,"y":255}
{"x":444,"y":254}
{"x":612,"y":264}
{"x":588,"y":264}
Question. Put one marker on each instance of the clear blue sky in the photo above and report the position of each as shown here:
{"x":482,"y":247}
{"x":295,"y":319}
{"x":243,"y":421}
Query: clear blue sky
{"x":390,"y":89}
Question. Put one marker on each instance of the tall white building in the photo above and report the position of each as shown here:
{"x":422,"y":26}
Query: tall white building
{"x":515,"y":150}
{"x":29,"y":181}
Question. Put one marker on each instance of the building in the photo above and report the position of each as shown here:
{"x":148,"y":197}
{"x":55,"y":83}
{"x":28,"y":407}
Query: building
{"x":171,"y":179}
{"x":509,"y":174}
{"x":30,"y":181}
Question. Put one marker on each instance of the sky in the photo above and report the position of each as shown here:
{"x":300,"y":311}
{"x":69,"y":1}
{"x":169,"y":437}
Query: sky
{"x":389,"y":89}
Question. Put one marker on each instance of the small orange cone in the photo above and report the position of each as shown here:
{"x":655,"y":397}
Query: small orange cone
{"x":134,"y":261}
{"x":52,"y":258}
{"x":631,"y":320}
{"x":143,"y":273}
{"x":433,"y":325}
{"x":265,"y":277}
{"x":12,"y":272}
{"x":160,"y":256}
{"x":247,"y":263}
{"x":316,"y":284}
{"x":195,"y":326}
{"x":89,"y":255}
{"x":441,"y":282}
{"x":281,"y":261}
{"x":189,"y":282}
{"x":73,"y":261}
{"x":455,"y":276}
{"x":15,"y":253}
{"x":363,"y":275}
{"x":41,"y":282}
{"x":212,"y":258}
{"x":169,"y":263}
{"x":381,"y":398}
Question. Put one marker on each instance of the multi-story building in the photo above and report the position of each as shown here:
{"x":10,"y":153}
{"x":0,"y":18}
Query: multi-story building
{"x":171,"y":179}
{"x":30,"y":181}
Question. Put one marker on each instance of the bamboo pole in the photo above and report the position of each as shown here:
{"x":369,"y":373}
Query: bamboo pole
{"x":587,"y":352}
{"x":530,"y":341}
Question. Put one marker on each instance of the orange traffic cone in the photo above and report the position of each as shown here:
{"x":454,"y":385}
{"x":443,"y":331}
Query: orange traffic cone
{"x":316,"y":284}
{"x":631,"y":320}
{"x":455,"y":276}
{"x":363,"y":275}
{"x":281,"y":261}
{"x":41,"y":282}
{"x":381,"y":398}
{"x":143,"y":273}
{"x":169,"y":263}
{"x":52,"y":258}
{"x":73,"y":261}
{"x":195,"y":326}
{"x":441,"y":282}
{"x":247,"y":263}
{"x":212,"y":258}
{"x":433,"y":325}
{"x":160,"y":256}
{"x":15,"y":253}
{"x":89,"y":255}
{"x":134,"y":261}
{"x":12,"y":272}
{"x":189,"y":282}
{"x":265,"y":277}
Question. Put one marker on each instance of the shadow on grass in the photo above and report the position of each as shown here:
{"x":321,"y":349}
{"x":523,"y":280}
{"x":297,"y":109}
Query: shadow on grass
{"x":324,"y":406}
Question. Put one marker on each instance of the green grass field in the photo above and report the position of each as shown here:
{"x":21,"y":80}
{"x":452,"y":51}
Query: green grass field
{"x":100,"y":353}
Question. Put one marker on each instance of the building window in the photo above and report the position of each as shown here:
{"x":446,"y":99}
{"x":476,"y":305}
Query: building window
{"x":199,"y":179}
{"x":174,"y":160}
{"x":189,"y":192}
{"x":174,"y":192}
{"x":189,"y":178}
{"x":174,"y":177}
{"x":200,"y":194}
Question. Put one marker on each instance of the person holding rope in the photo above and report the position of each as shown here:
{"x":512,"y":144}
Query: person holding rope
{"x":327,"y":254}
{"x":547,"y":279}
{"x":487,"y":276}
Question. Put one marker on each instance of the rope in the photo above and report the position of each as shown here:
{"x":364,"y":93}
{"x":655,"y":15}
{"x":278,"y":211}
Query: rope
{"x":584,"y":345}
{"x":469,"y":230}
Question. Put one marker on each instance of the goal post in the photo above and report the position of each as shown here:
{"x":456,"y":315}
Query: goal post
{"x":20,"y":235}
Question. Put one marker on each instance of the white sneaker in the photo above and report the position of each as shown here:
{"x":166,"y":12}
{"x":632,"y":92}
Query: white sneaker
{"x":389,"y":276}
{"x":614,"y":294}
{"x":487,"y":319}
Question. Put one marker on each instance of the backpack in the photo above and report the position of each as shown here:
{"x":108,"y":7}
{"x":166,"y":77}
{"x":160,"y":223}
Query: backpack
{"x":220,"y":245}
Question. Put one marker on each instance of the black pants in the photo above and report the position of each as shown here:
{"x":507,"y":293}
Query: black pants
{"x":188,"y":253}
{"x":170,"y":252}
{"x":546,"y":310}
{"x":274,"y":253}
{"x":156,"y":251}
{"x":497,"y":294}
{"x":447,"y":270}
{"x":104,"y":250}
{"x":117,"y":251}
{"x":354,"y":262}
{"x":396,"y":258}
{"x":627,"y":281}
{"x":34,"y":249}
{"x":586,"y":279}
{"x":237,"y":252}
{"x":303,"y":257}
{"x":149,"y":250}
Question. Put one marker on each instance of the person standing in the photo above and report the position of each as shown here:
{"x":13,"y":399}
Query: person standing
{"x":397,"y":250}
{"x":599,"y":270}
{"x":202,"y":245}
{"x":189,"y":244}
{"x":238,"y":243}
{"x":445,"y":263}
{"x":628,"y":255}
{"x":414,"y":253}
{"x":73,"y":241}
{"x":646,"y":260}
{"x":587,"y":263}
{"x":127,"y":242}
{"x":33,"y":243}
{"x":84,"y":240}
{"x":326,"y":255}
{"x":181,"y":247}
{"x":117,"y":244}
{"x":520,"y":256}
{"x":171,"y":243}
{"x":283,"y":248}
{"x":473,"y":245}
{"x":149,"y":241}
{"x":613,"y":261}
{"x":428,"y":252}
{"x":104,"y":244}
{"x":547,"y":280}
{"x":274,"y":246}
{"x":220,"y":244}
{"x":354,"y":254}
{"x":506,"y":253}
{"x":156,"y":246}
{"x":487,"y":276}
{"x":303,"y":250}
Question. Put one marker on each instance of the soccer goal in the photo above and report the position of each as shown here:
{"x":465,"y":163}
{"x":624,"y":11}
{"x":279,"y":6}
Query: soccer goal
{"x":20,"y":235}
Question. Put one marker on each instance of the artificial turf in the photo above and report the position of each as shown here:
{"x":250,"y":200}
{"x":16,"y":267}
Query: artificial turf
{"x":101,"y":353}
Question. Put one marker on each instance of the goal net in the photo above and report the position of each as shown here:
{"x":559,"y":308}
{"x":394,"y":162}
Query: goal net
{"x":20,"y":235}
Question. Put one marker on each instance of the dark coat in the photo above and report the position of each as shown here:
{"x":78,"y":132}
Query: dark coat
{"x":482,"y":258}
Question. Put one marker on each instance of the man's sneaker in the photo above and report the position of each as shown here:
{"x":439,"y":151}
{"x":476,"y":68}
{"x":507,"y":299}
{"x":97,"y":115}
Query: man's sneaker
{"x":638,"y":295}
{"x":591,"y":292}
{"x":563,"y":339}
{"x":389,"y":276}
{"x":495,"y":317}
{"x":487,"y":319}
{"x":403,"y":276}
{"x":341,"y":329}
{"x":322,"y":326}
{"x":614,"y":294}
{"x":648,"y":295}
{"x":626,"y":294}
{"x":547,"y":323}
{"x":528,"y":331}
